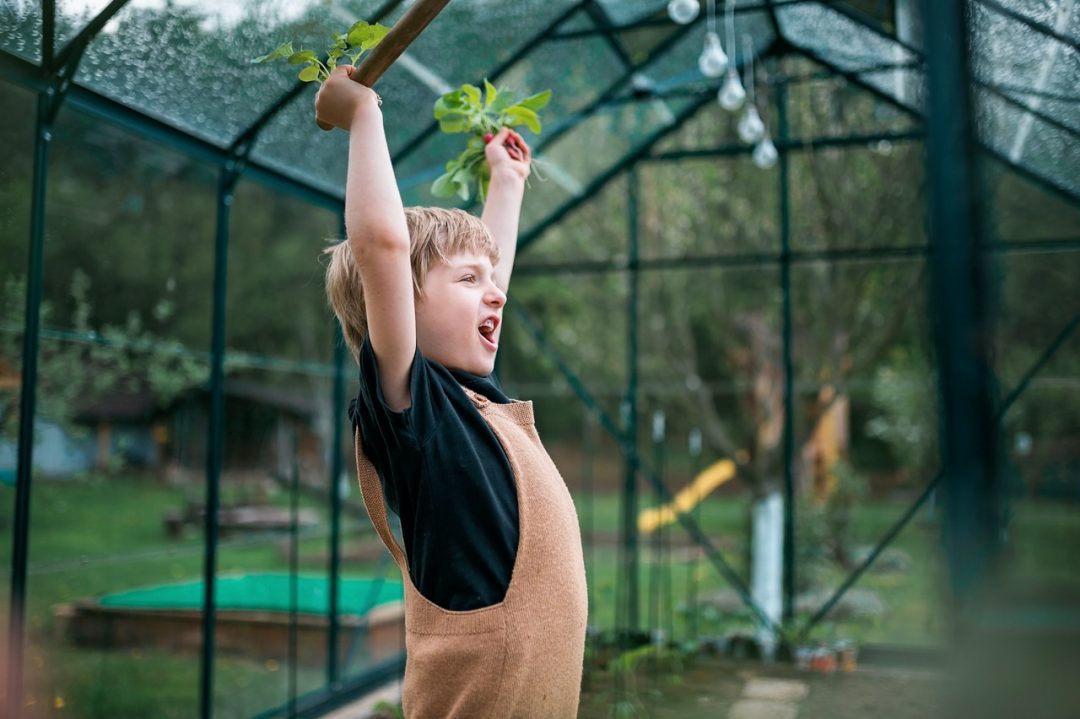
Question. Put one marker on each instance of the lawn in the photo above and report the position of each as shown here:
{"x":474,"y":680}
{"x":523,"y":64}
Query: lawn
{"x":101,"y":534}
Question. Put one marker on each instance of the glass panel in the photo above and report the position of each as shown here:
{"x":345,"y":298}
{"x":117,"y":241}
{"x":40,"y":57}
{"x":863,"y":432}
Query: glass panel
{"x":128,"y":272}
{"x":275,"y":476}
{"x":20,"y":28}
{"x":866,"y":448}
{"x":858,"y":198}
{"x":1021,"y":211}
{"x":624,"y":11}
{"x":573,"y":89}
{"x":1032,"y":611}
{"x":707,"y":209}
{"x":710,"y":364}
{"x":596,"y":231}
{"x":1049,"y":152}
{"x":838,"y":39}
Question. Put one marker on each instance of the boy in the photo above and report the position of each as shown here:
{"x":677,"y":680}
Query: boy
{"x":494,"y":576}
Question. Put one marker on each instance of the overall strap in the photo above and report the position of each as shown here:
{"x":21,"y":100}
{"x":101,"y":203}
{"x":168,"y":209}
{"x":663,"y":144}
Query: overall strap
{"x":371,"y":490}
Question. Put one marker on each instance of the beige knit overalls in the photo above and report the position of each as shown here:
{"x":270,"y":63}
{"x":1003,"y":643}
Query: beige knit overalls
{"x":523,"y":656}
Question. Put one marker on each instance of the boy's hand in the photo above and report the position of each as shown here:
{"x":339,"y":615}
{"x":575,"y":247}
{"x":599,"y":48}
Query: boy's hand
{"x":507,"y":152}
{"x":340,"y":99}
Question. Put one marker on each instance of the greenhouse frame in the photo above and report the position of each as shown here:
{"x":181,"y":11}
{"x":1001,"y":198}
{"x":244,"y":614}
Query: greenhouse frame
{"x":962,"y":85}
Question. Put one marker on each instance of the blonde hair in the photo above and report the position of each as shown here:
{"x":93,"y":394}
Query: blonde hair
{"x":435,"y":235}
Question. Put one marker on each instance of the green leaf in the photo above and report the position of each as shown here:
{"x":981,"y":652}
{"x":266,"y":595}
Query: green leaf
{"x":454,"y":123}
{"x":444,"y":186}
{"x":519,"y":115}
{"x":357,"y":33}
{"x":283,"y":51}
{"x":504,"y":100}
{"x":444,"y":107}
{"x":309,"y":73}
{"x":365,"y":36}
{"x":490,"y":93}
{"x":537,"y":101}
{"x":298,"y":58}
{"x":472,"y":92}
{"x":376,"y":35}
{"x":463,"y":192}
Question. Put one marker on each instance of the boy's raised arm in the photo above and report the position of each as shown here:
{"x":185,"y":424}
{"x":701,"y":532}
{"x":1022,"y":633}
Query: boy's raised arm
{"x":375,"y":226}
{"x":502,"y":211}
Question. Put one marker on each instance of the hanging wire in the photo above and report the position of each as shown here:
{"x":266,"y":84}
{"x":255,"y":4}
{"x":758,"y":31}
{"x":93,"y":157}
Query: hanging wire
{"x":748,"y":79}
{"x":729,"y":17}
{"x":710,"y":16}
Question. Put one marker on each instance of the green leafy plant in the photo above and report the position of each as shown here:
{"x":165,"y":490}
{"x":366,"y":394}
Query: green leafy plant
{"x":359,"y":38}
{"x":481,"y":114}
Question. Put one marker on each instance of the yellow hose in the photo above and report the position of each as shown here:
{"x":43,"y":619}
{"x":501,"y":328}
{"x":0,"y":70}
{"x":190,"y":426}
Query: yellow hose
{"x":688,"y":497}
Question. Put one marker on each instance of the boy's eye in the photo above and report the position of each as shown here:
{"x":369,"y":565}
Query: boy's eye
{"x":469,"y":278}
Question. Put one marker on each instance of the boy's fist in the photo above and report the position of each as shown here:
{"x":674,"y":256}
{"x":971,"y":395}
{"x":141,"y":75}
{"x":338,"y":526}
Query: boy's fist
{"x":339,"y":98}
{"x":507,"y":152}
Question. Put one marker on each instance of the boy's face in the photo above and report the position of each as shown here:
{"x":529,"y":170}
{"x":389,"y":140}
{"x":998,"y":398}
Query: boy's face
{"x":459,"y":314}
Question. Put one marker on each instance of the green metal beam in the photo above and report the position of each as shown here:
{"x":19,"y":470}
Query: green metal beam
{"x":808,"y":144}
{"x":784,"y":191}
{"x":961,"y":287}
{"x":73,"y":51}
{"x":229,"y":176}
{"x":600,"y":18}
{"x":884,"y":253}
{"x":28,"y":408}
{"x":339,"y":400}
{"x":628,"y":518}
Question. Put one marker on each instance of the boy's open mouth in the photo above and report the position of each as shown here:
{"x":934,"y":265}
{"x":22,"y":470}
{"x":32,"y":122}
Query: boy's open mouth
{"x":487,"y":331}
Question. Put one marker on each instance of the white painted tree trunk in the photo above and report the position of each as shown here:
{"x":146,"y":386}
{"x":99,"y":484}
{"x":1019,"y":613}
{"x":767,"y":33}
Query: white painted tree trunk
{"x":767,"y":565}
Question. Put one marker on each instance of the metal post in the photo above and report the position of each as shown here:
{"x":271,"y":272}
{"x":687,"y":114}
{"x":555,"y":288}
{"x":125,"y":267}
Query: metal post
{"x":789,"y":371}
{"x":340,"y":358}
{"x":630,"y":500}
{"x":961,"y":317}
{"x":28,"y":404}
{"x":294,"y":571}
{"x":230,"y":173}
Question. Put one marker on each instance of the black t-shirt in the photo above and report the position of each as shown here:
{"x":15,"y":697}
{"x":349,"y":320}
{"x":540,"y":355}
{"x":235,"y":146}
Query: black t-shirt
{"x":445,"y":474}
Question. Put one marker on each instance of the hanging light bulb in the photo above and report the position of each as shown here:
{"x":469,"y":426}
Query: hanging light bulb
{"x":765,"y":154}
{"x":713,"y":60}
{"x":732,"y":94}
{"x":683,"y":11}
{"x":751,"y":128}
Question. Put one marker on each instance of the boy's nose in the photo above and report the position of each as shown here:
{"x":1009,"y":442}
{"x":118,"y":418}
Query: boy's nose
{"x":496,"y":297}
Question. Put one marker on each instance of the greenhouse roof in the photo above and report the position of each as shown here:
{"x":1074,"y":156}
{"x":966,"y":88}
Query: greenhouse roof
{"x":623,"y":75}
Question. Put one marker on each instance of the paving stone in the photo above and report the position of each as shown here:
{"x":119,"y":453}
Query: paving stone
{"x":763,"y":709}
{"x":779,"y":690}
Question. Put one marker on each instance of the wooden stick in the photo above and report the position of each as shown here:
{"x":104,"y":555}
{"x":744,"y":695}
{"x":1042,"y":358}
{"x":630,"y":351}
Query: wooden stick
{"x":401,"y":35}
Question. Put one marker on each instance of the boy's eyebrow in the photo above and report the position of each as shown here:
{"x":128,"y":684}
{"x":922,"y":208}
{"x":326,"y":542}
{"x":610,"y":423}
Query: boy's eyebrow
{"x":477,"y":266}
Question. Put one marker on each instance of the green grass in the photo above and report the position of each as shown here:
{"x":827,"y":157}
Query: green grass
{"x":96,"y":535}
{"x":105,"y":534}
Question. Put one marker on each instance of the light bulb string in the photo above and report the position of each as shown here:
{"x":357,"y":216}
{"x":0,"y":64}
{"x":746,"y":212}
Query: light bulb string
{"x":749,"y":50}
{"x":729,"y":16}
{"x":710,"y":15}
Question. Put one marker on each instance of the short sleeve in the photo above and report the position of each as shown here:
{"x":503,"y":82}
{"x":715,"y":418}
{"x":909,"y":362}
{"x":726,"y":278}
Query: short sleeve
{"x":390,"y":438}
